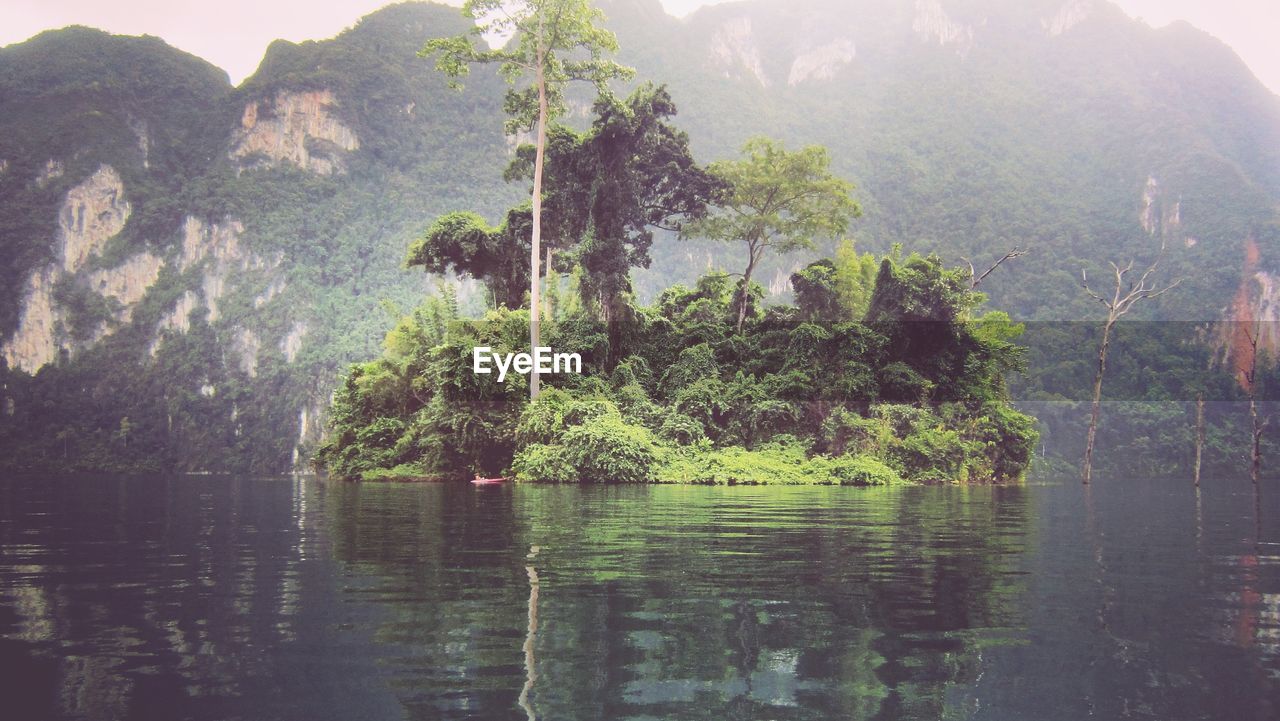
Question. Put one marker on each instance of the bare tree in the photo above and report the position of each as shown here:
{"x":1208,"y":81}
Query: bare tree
{"x":1250,"y":386}
{"x":975,"y":280}
{"x":1127,"y":293}
{"x":1199,"y":436}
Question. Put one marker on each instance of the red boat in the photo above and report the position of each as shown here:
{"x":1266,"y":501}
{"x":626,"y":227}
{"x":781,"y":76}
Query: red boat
{"x":485,"y":481}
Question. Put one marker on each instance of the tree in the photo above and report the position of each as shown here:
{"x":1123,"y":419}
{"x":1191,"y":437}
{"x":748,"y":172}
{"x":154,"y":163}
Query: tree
{"x":554,"y":42}
{"x":1249,"y":377}
{"x":817,"y":296}
{"x":463,"y":243}
{"x":855,"y":277}
{"x":776,"y":200}
{"x":976,"y":279}
{"x":1126,"y":294}
{"x":607,"y":189}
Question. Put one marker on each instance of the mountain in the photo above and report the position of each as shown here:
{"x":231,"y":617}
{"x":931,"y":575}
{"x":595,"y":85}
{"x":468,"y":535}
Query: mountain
{"x":973,"y":126}
{"x":190,"y":265}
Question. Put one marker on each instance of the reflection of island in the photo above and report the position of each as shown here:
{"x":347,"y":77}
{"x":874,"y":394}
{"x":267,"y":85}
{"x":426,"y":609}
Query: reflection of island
{"x":220,"y":599}
{"x":684,"y":602}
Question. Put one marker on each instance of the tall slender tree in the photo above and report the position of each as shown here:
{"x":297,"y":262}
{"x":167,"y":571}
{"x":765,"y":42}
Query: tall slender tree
{"x":552,"y":43}
{"x":1127,"y":293}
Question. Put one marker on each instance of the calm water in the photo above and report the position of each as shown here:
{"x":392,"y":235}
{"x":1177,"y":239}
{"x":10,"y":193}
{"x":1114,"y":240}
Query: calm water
{"x":275,"y":599}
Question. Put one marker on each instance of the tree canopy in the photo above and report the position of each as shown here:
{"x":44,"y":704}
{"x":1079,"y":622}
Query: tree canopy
{"x":463,"y":243}
{"x":776,"y":200}
{"x":610,"y":187}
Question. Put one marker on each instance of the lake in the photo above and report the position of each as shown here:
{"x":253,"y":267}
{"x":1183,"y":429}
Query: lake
{"x":227,"y":598}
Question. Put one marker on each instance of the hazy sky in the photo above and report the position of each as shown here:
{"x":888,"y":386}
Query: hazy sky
{"x":234,"y":33}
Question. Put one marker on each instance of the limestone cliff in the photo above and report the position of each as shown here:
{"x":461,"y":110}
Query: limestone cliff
{"x":1161,"y":217}
{"x":215,"y":253}
{"x":1254,"y":313}
{"x":734,"y":51}
{"x":296,"y":128}
{"x":821,"y":62}
{"x":93,"y":212}
{"x":1068,"y":16}
{"x":292,"y":342}
{"x":128,"y":282}
{"x":932,"y":24}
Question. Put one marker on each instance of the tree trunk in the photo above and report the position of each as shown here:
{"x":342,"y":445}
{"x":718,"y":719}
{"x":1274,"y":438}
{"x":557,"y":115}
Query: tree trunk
{"x":535,"y":252}
{"x":1255,"y":465}
{"x":1199,"y":436}
{"x":746,"y":285}
{"x":1087,"y":472}
{"x":552,"y":298}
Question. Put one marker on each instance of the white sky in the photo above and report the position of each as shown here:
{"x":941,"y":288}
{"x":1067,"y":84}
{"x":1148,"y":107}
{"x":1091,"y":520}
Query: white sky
{"x":233,"y":34}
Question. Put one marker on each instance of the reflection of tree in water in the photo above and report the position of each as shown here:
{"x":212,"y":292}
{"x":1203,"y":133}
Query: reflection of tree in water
{"x":870,"y":609}
{"x":689,"y":603}
{"x":440,"y":565}
{"x":678,"y":602}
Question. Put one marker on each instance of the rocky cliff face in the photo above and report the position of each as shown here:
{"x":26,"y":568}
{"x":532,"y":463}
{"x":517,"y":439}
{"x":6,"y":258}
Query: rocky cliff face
{"x":933,"y":24}
{"x":127,"y":283}
{"x":1254,"y":315}
{"x":92,"y":213}
{"x":822,"y":62}
{"x":734,"y":51}
{"x":1068,"y":16}
{"x":296,"y":128}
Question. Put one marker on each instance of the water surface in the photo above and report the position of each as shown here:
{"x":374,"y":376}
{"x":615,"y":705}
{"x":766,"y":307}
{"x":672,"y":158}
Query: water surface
{"x":223,"y":598}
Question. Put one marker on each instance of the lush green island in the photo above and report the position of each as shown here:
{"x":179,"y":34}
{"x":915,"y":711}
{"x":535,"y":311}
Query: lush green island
{"x":882,"y":372}
{"x":789,"y":400}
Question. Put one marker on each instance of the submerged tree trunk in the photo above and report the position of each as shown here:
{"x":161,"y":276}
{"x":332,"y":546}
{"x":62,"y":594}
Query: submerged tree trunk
{"x":1087,"y":472}
{"x":1199,"y":436}
{"x":1126,"y":294}
{"x":1256,"y":423}
{"x":1255,"y":456}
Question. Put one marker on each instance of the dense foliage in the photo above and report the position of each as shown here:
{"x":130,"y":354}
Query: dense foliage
{"x":837,"y":399}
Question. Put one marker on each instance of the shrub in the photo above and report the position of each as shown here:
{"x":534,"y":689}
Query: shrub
{"x":680,"y":429}
{"x":1008,"y":439}
{"x":543,"y":463}
{"x":555,"y":412}
{"x":863,"y":471}
{"x":608,"y":448}
{"x":932,"y":455}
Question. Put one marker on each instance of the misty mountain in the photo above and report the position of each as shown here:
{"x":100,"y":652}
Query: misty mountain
{"x":189,"y":265}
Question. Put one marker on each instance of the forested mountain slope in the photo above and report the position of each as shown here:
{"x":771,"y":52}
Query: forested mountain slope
{"x":188,"y":266}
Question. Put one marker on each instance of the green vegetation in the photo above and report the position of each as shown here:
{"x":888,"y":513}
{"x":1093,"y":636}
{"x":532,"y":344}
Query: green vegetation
{"x":862,"y":383}
{"x":548,"y":42}
{"x":84,"y":98}
{"x":872,"y":401}
{"x":776,"y":201}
